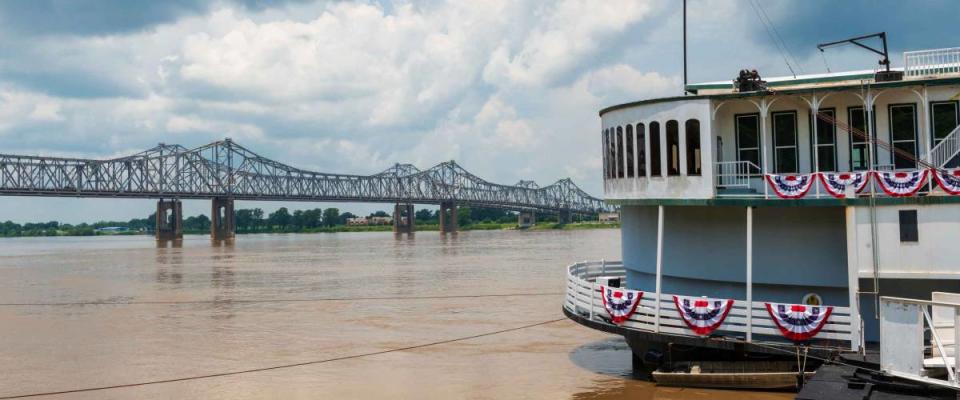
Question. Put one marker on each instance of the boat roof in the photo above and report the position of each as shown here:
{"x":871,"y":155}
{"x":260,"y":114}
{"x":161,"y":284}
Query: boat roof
{"x":800,"y":84}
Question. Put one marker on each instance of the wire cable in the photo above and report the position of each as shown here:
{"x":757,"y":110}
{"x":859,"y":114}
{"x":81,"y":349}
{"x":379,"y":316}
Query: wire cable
{"x":780,"y":38}
{"x":253,"y":301}
{"x":277,"y":367}
{"x":783,"y":52}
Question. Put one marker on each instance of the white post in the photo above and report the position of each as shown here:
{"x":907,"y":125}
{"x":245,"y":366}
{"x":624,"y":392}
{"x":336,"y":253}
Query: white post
{"x":749,"y":273}
{"x":763,"y":147}
{"x":853,"y":280}
{"x":956,"y":342}
{"x":656,"y":303}
{"x":815,"y":109}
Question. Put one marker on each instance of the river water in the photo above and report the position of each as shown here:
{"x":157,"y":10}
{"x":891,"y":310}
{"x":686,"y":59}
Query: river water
{"x":267,"y":300}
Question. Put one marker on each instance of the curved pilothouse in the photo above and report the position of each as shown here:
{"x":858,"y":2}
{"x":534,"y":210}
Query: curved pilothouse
{"x":771,"y":201}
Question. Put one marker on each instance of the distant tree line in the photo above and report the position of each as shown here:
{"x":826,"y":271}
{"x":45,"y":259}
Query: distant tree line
{"x":255,"y":220}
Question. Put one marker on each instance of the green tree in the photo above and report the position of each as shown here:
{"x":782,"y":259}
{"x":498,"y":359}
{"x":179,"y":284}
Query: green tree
{"x":197,"y":223}
{"x":345,"y":216}
{"x":279,"y":218}
{"x":331,"y":217}
{"x":424,"y":215}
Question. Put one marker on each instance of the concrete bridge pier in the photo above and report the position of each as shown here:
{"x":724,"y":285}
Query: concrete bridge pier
{"x":526,"y":219}
{"x":222,"y":219}
{"x":169,"y":220}
{"x":448,"y":217}
{"x":564,"y":217}
{"x":403,"y":218}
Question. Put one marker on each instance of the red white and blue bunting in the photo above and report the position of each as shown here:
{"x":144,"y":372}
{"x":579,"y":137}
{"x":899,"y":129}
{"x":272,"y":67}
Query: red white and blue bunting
{"x":620,"y":303}
{"x":836,"y":183}
{"x":949,"y":180}
{"x":902,"y":183}
{"x":702,"y":315}
{"x":799,"y":322}
{"x":790,"y":186}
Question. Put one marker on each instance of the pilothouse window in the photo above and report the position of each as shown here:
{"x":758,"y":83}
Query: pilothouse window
{"x":655,"y":166}
{"x":641,"y":151}
{"x":630,"y":144}
{"x":692,"y":132}
{"x":619,"y":152}
{"x":673,"y":148}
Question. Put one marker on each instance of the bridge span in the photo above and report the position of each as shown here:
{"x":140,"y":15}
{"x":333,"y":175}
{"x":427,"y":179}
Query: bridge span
{"x":224,"y":171}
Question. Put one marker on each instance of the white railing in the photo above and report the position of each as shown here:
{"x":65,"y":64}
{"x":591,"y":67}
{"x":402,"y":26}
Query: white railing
{"x":931,"y":62}
{"x":583,"y":298}
{"x":946,"y":150}
{"x":735,"y":174}
{"x":903,"y":325}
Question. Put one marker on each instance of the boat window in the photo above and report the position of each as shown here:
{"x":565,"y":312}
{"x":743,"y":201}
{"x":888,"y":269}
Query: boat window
{"x":785,"y":142}
{"x":606,"y":159}
{"x":641,"y":151}
{"x":612,"y":153}
{"x":655,"y":166}
{"x":619,"y":152}
{"x":908,"y":226}
{"x":858,"y":144}
{"x":747,"y":127}
{"x":945,"y":117}
{"x":692,"y":131}
{"x":630,"y":150}
{"x":826,"y":146}
{"x":903,"y":135}
{"x":673,"y":148}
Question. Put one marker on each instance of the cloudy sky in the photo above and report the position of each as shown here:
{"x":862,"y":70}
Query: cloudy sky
{"x":508,"y":88}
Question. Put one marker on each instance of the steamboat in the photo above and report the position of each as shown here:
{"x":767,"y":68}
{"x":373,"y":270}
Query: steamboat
{"x":810,"y":217}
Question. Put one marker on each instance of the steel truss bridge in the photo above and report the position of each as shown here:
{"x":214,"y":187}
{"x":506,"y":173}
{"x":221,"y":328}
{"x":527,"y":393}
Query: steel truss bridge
{"x":226,"y":170}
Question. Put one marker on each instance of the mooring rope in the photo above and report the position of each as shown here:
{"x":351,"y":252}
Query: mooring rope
{"x":276,"y":367}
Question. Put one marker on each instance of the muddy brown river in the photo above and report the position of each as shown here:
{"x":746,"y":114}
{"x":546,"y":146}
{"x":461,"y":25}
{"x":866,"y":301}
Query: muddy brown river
{"x":109,"y":311}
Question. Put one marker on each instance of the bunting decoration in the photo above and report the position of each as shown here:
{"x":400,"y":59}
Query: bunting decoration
{"x":790,"y":186}
{"x":901,"y":184}
{"x":620,"y":303}
{"x":949,"y":180}
{"x":702,"y":315}
{"x":799,"y":322}
{"x":836,"y":183}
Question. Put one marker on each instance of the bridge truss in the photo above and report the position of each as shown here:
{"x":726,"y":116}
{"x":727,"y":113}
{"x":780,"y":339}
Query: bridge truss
{"x":224,"y":169}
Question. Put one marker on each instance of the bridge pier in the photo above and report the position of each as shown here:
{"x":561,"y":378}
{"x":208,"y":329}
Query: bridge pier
{"x":448,"y":217}
{"x":526,"y":219}
{"x":222,"y":219}
{"x":403,"y":218}
{"x":564,"y":217}
{"x":169,"y":220}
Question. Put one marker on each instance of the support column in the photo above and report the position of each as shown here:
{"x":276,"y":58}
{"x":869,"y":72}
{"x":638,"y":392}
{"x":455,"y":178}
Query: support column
{"x":222,"y":219}
{"x":169,"y":220}
{"x":656,"y":300}
{"x":526,"y":219}
{"x":448,"y":217}
{"x":403,"y":218}
{"x":749,"y":273}
{"x":564,"y":217}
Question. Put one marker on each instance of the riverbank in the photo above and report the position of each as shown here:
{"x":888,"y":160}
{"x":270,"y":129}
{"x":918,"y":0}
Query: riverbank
{"x":332,"y":229}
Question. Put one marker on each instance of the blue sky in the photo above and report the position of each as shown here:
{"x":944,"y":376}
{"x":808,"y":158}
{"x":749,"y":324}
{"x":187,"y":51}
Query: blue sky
{"x":510,"y":89}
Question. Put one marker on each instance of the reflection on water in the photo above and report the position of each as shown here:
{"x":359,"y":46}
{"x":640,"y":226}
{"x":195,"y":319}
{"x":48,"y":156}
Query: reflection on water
{"x":200,"y":319}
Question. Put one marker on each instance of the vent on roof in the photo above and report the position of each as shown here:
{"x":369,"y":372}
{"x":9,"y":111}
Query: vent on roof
{"x":749,"y":81}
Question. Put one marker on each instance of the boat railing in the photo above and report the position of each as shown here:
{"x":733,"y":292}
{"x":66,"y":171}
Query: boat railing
{"x":658,"y":313}
{"x":924,"y":63}
{"x":904,"y":324}
{"x":735,"y":174}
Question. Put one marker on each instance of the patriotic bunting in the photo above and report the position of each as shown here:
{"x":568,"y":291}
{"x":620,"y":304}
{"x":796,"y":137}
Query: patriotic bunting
{"x":798,"y":322}
{"x":702,"y":315}
{"x":790,"y":186}
{"x":836,"y":183}
{"x":620,"y":303}
{"x":901,"y":184}
{"x":949,"y":180}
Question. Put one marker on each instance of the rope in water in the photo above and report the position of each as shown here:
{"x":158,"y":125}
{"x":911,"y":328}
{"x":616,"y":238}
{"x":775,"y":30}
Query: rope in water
{"x":276,"y":367}
{"x":252,"y":301}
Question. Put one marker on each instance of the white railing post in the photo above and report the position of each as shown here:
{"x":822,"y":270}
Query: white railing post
{"x":749,"y":274}
{"x":656,"y":315}
{"x":956,"y":343}
{"x":593,"y":291}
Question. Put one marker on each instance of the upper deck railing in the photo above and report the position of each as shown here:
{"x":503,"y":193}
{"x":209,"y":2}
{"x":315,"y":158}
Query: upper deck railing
{"x":931,"y":62}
